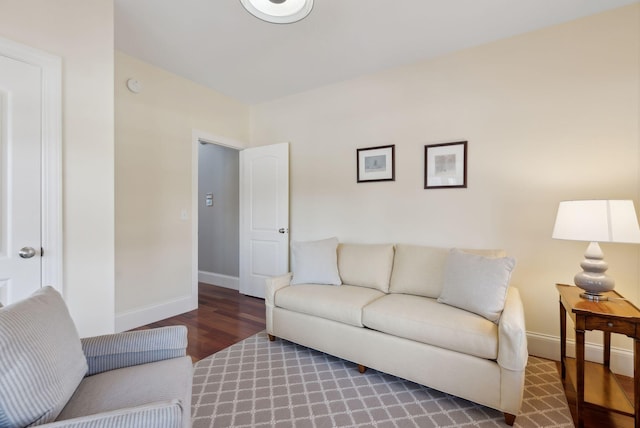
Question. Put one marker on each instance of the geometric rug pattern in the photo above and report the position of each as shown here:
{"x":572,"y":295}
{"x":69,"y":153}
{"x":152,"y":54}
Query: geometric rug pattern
{"x":256,"y":383}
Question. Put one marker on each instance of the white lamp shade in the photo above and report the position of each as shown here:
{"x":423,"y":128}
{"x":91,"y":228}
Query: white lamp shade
{"x":280,"y":11}
{"x":597,"y":221}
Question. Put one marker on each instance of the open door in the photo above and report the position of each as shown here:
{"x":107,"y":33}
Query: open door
{"x":30,"y":178}
{"x":264,"y":216}
{"x":20,"y":159}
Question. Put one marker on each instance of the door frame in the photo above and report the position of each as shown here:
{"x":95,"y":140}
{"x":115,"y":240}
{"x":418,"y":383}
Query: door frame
{"x":51,"y":163}
{"x":198,"y":136}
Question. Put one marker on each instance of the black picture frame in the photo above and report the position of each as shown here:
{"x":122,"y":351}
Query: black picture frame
{"x":376,"y":163}
{"x":445,"y":165}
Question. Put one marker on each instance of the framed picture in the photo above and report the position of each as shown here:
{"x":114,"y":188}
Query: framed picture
{"x":445,"y":165}
{"x":376,"y":163}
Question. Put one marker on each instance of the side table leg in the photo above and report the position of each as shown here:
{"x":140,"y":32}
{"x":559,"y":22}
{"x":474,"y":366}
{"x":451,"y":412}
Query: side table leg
{"x":636,"y":381}
{"x":563,"y":339}
{"x":580,"y":376}
{"x":606,"y":358}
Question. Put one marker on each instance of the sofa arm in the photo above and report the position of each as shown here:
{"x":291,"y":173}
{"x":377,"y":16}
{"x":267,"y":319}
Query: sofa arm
{"x":131,"y":348}
{"x":274,"y":284}
{"x":512,"y":334}
{"x":167,"y":414}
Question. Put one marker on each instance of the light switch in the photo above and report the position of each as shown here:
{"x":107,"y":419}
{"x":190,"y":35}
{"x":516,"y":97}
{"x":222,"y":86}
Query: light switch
{"x":208,"y":200}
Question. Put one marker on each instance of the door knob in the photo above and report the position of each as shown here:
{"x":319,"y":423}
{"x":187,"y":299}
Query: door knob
{"x":283,"y":230}
{"x":27,"y":252}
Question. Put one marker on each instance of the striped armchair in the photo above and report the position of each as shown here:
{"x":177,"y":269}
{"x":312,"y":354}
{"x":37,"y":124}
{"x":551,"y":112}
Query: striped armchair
{"x":50,"y":377}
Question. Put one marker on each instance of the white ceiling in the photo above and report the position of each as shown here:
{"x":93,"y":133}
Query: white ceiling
{"x":218,"y":44}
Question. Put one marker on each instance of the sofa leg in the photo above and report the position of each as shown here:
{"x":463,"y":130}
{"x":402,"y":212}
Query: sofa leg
{"x":361,"y":368}
{"x":509,"y":419}
{"x":271,"y":337}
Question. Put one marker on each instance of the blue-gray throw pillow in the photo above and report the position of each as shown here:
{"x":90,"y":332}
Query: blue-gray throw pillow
{"x":41,"y":359}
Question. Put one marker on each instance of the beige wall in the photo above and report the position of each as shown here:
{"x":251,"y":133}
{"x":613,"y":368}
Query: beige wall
{"x":153,"y":179}
{"x":549,"y":115}
{"x":81,"y":33}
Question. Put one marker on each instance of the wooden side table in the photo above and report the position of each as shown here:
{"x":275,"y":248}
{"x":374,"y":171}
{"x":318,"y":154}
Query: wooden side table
{"x":613,"y":316}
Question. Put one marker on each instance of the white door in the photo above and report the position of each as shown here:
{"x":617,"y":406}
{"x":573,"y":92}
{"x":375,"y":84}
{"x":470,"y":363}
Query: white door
{"x":264,"y":216}
{"x":20,"y":181}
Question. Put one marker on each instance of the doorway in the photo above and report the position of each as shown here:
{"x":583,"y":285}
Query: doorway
{"x":200,"y":139}
{"x":263,"y":213}
{"x":218,"y":215}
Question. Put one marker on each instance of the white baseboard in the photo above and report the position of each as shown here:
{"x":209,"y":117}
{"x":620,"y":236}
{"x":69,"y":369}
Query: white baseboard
{"x":219,"y":279}
{"x":149,"y":314}
{"x":545,"y":346}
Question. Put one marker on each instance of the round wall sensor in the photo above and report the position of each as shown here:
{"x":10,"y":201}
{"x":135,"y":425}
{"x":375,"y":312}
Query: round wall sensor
{"x":134,"y":86}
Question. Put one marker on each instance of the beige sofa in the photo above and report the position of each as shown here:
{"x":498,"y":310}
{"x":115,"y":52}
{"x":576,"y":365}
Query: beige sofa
{"x":395,"y":310}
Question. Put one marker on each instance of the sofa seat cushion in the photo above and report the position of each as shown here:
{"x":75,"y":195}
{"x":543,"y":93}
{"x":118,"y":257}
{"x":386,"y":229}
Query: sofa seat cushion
{"x":161,"y":381}
{"x":343,"y":304}
{"x":425,"y":320}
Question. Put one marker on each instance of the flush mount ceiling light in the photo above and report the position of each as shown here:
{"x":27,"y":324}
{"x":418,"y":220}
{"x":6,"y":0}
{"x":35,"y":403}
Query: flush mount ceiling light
{"x":279,"y":11}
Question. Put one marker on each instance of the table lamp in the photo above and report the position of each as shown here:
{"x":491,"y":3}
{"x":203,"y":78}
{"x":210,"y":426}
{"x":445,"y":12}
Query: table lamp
{"x":596,"y":221}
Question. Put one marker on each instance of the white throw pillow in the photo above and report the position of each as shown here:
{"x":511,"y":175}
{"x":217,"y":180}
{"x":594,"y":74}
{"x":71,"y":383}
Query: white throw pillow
{"x":315,"y":262}
{"x":476,"y":283}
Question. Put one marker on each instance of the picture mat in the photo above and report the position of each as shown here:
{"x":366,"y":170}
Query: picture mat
{"x":439,"y":157}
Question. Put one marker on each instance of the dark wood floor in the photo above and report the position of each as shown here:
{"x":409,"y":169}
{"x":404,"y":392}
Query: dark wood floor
{"x":225,"y":317}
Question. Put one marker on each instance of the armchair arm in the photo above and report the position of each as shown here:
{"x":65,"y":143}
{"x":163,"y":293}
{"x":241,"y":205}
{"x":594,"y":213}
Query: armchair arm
{"x":132,"y":348}
{"x":168,"y":414}
{"x":512,"y":334}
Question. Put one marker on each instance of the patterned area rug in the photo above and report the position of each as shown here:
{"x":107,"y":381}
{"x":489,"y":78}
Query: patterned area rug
{"x":257,"y":383}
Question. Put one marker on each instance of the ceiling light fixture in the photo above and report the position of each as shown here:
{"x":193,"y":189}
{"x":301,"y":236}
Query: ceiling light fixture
{"x":279,"y":11}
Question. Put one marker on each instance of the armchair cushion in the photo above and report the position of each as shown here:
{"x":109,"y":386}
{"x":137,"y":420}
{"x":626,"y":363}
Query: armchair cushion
{"x":114,"y":351}
{"x":157,"y":415}
{"x":41,"y":359}
{"x":161,"y":381}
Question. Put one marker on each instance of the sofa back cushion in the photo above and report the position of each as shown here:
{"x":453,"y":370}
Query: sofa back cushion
{"x":41,"y":362}
{"x":366,"y":265}
{"x":419,"y":270}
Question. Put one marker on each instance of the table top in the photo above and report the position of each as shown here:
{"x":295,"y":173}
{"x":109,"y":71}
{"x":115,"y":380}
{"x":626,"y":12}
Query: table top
{"x":618,"y":306}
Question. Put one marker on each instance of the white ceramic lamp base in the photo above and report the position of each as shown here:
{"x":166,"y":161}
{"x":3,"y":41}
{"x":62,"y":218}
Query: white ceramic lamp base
{"x":593,"y":279}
